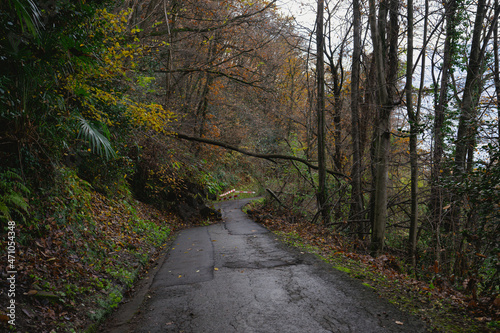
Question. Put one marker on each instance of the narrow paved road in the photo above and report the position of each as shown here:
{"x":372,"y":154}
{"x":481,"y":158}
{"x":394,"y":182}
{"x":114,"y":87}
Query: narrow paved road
{"x":235,"y":277}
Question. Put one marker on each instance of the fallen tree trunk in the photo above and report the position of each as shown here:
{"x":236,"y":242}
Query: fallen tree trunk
{"x":254,"y":154}
{"x":275,"y":197}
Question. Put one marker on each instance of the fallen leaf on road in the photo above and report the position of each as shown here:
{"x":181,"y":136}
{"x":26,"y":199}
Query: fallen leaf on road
{"x":179,"y":276}
{"x":399,"y":322}
{"x":216,"y":269}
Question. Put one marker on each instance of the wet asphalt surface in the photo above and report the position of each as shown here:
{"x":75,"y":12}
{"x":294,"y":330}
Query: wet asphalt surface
{"x":236,"y":277}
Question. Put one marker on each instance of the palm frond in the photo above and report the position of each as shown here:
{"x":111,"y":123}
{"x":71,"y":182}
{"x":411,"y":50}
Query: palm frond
{"x":99,"y":144}
{"x":29,"y":16}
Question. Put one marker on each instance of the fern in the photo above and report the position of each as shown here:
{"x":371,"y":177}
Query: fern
{"x":11,"y":175}
{"x":4,"y":210}
{"x":16,"y":200}
{"x":12,"y":192}
{"x":99,"y":144}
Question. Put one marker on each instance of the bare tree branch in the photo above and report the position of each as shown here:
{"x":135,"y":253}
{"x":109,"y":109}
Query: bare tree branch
{"x":254,"y":154}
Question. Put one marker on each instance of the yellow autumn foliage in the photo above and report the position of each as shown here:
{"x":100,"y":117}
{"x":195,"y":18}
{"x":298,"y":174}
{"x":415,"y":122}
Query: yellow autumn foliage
{"x":97,"y":83}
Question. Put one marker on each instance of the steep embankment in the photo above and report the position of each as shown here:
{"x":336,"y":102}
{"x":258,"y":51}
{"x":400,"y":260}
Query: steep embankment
{"x":84,"y":258}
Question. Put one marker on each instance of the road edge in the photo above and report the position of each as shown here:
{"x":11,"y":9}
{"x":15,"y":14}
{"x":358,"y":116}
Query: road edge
{"x":125,"y":311}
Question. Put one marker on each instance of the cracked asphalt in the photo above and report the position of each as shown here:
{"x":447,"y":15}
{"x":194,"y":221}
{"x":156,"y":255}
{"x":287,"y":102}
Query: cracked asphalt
{"x":236,"y":277}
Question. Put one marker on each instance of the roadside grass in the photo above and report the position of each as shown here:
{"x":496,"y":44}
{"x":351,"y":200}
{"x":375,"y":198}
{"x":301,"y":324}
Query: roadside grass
{"x":255,"y":203}
{"x":445,"y":310}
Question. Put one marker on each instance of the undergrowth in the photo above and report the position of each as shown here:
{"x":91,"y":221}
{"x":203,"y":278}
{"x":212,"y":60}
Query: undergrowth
{"x":79,"y":254}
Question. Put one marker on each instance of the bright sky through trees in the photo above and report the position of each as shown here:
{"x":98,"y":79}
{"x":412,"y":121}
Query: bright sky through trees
{"x":302,"y":11}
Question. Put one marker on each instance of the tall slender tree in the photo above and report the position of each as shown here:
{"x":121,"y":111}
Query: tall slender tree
{"x":496,"y":76}
{"x":467,"y":126}
{"x":356,"y":199}
{"x":320,"y":113}
{"x":436,"y":199}
{"x":385,"y":72}
{"x":413,"y":117}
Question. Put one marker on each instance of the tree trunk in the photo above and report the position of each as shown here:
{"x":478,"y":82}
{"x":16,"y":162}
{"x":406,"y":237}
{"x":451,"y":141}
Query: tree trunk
{"x":413,"y":117}
{"x":467,"y":126}
{"x":320,"y":109}
{"x":337,"y":109}
{"x":496,"y":76}
{"x":380,"y":160}
{"x":436,"y":199}
{"x":385,"y":93}
{"x":356,"y":199}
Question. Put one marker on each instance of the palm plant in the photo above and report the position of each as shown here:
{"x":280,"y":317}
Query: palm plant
{"x":29,"y":15}
{"x":99,"y":143}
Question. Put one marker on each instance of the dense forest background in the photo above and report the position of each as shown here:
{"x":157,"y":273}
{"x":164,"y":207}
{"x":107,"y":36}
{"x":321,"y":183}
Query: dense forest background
{"x":387,"y":138}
